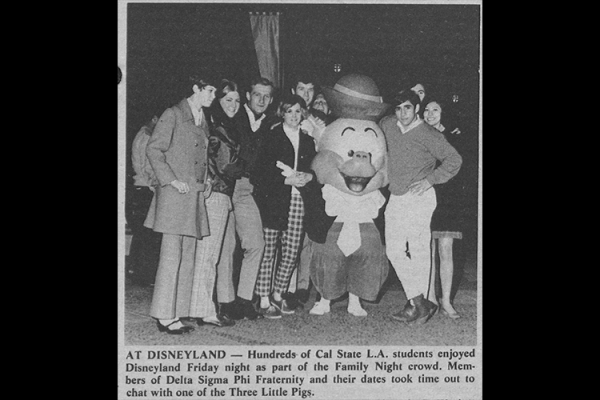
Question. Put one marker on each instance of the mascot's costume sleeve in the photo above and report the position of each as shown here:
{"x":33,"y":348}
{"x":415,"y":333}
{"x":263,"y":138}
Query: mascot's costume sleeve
{"x":350,"y":167}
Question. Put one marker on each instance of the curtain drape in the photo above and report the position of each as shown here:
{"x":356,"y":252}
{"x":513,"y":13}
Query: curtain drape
{"x":265,"y":30}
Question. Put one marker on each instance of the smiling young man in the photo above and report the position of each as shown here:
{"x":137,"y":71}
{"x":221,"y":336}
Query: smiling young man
{"x":414,"y":150}
{"x":304,"y":86}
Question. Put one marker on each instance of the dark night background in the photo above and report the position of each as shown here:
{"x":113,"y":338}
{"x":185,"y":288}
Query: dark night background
{"x":394,"y":44}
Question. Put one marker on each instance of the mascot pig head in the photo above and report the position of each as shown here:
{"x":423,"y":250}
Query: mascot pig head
{"x":352,"y":150}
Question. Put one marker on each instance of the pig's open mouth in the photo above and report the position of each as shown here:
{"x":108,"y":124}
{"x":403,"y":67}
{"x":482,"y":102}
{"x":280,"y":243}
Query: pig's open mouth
{"x":356,"y":183}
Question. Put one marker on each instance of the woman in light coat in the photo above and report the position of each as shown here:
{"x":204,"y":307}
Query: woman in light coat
{"x":178,"y":153}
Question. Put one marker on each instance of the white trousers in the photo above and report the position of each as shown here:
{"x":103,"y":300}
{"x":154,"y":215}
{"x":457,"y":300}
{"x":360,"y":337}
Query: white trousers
{"x":407,"y":238}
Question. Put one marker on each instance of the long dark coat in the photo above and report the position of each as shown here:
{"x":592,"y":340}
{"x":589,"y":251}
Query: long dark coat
{"x":178,"y":150}
{"x":272,"y":195}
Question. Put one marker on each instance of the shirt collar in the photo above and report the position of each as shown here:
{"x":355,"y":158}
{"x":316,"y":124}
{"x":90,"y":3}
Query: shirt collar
{"x":254,"y":123}
{"x":413,"y":124}
{"x":195,"y":113}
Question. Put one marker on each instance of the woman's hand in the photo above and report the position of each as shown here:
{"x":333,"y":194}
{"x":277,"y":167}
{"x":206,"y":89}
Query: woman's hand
{"x":299,"y":179}
{"x":181,"y":187}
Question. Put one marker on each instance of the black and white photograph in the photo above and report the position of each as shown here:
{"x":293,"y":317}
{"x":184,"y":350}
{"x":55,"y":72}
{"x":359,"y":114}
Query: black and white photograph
{"x":304,"y":179}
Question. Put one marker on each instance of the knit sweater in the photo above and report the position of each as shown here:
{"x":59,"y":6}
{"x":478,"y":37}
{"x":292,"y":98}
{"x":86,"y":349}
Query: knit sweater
{"x":412,"y":156}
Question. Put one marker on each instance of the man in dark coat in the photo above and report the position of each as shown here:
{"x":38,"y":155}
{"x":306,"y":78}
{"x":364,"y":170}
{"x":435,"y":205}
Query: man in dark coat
{"x":252,"y":123}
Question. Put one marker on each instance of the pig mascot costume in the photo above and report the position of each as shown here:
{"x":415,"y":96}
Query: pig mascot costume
{"x":351,"y":166}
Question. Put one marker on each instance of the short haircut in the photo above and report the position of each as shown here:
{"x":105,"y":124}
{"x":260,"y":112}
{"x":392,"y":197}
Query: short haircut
{"x":406,"y":95}
{"x":203,"y":80}
{"x":261,"y":81}
{"x":304,"y":77}
{"x":290,"y":100}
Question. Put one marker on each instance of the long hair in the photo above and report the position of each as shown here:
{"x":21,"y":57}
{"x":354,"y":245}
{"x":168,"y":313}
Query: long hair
{"x":217,"y":114}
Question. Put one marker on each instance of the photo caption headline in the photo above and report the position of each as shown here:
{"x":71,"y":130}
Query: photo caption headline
{"x":308,"y":373}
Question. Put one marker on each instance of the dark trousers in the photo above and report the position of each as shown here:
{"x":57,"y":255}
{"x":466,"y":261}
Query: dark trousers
{"x":144,"y":252}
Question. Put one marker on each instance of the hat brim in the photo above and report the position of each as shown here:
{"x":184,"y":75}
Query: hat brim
{"x":345,"y":106}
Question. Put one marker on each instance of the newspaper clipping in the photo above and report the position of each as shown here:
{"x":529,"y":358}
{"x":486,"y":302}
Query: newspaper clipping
{"x":406,"y":323}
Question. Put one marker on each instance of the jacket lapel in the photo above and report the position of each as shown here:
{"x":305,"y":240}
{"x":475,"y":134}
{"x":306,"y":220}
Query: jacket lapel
{"x":188,"y":119}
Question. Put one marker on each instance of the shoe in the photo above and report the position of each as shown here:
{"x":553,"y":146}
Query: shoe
{"x":292,"y":301}
{"x":453,"y":315}
{"x":178,"y":331}
{"x":319,"y":309}
{"x":218,"y":320}
{"x":282,"y":306}
{"x":247,"y":310}
{"x":230,"y":311}
{"x":302,"y":296}
{"x":406,"y":313}
{"x":225,"y":320}
{"x":270,"y":312}
{"x":437,"y":309}
{"x":358,"y":312}
{"x":424,"y":309}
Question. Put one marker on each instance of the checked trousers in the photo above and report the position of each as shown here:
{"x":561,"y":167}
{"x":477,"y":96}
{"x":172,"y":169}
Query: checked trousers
{"x":289,"y":241}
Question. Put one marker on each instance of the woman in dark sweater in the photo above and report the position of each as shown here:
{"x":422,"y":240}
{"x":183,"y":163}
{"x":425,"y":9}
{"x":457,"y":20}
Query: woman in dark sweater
{"x":283,"y":166}
{"x":447,"y":221}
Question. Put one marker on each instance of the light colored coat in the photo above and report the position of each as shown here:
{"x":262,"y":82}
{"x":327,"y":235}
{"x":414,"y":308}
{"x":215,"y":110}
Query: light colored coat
{"x":178,"y":149}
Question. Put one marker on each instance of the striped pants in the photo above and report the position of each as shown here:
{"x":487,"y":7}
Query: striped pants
{"x":290,"y":240}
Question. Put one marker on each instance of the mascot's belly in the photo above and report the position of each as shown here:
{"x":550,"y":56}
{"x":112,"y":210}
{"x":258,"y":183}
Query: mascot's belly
{"x":362,"y":273}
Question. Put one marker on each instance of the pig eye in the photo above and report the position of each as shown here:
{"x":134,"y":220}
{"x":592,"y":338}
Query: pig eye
{"x":351,"y":128}
{"x":351,"y":153}
{"x":372,"y":130}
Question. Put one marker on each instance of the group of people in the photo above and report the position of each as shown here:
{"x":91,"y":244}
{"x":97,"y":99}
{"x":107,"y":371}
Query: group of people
{"x":218,"y":170}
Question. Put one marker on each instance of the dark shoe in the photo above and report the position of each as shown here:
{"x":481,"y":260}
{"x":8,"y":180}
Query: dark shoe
{"x":424,"y":309}
{"x":218,"y":320}
{"x":282,"y":306}
{"x":302,"y":296}
{"x":292,"y":301}
{"x":230,"y":311}
{"x":246,"y":310}
{"x":270,"y":312}
{"x":179,"y":331}
{"x":406,"y":313}
{"x":225,"y":320}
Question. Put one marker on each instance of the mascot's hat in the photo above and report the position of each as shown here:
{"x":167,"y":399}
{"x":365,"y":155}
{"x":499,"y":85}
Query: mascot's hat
{"x":355,"y":96}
